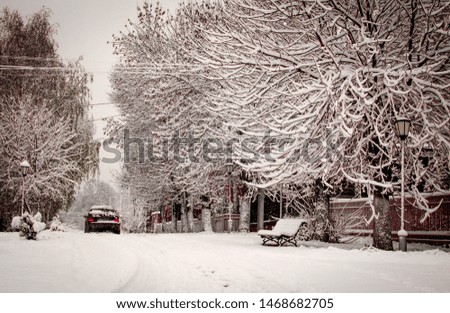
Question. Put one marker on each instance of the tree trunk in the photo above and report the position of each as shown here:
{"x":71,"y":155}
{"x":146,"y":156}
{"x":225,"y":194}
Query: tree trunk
{"x":244,"y":219}
{"x":382,"y":236}
{"x":260,"y":217}
{"x":183,"y":220}
{"x":206,"y":213}
{"x":173,"y":218}
{"x":324,"y":225}
{"x":190,"y":216}
{"x":235,"y":196}
{"x":163,"y":219}
{"x":184,"y":217}
{"x":206,"y":219}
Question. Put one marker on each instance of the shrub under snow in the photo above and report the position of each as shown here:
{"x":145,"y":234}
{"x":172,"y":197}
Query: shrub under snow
{"x":28,"y":225}
{"x":56,"y":224}
{"x":16,"y":222}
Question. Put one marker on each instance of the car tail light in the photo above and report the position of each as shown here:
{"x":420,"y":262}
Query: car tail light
{"x":90,"y":220}
{"x":116,"y":219}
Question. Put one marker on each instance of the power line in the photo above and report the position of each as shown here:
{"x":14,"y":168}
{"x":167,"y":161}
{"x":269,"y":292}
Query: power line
{"x":54,"y":59}
{"x":139,"y":67}
{"x":23,"y":57}
{"x":118,"y":64}
{"x":57,"y":70}
{"x":33,"y":68}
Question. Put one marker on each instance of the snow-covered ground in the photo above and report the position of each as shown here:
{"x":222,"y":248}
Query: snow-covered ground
{"x":76,"y":262}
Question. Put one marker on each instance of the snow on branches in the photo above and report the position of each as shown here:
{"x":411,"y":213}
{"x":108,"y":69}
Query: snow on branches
{"x":336,"y":71}
{"x":29,"y":132}
{"x":305,"y":91}
{"x":163,"y":100}
{"x":43,"y":104}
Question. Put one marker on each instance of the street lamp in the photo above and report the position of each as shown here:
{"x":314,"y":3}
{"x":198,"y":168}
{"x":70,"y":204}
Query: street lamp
{"x":229,"y":165}
{"x":281,"y":200}
{"x":24,"y":169}
{"x":402,"y":126}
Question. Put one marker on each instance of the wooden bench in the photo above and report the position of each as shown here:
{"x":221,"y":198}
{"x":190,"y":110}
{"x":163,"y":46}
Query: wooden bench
{"x":284,"y":232}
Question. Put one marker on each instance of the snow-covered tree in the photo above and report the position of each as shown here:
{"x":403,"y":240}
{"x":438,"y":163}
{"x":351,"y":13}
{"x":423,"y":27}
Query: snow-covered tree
{"x":52,"y":149}
{"x":335,"y":75}
{"x":162,"y":98}
{"x":257,"y":106}
{"x":43,"y":104}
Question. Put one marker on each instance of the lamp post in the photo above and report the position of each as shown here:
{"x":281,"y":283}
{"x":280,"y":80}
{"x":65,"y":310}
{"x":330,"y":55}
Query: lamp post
{"x":281,"y":200}
{"x":24,"y":168}
{"x":402,"y":125}
{"x":229,"y":165}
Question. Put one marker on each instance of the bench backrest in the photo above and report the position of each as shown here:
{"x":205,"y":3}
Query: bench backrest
{"x":289,"y":226}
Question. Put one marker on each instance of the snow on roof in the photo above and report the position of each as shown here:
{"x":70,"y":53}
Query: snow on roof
{"x":102,"y":207}
{"x":24,"y":164}
{"x":102,"y":212}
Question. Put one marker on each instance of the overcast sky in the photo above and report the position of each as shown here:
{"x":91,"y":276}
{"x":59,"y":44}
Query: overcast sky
{"x":84,"y":28}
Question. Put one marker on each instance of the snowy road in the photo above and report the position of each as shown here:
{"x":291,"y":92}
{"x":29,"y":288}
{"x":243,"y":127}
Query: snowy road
{"x":78,"y":262}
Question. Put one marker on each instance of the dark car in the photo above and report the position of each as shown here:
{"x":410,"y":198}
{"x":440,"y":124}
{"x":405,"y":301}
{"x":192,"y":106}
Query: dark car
{"x":102,"y":218}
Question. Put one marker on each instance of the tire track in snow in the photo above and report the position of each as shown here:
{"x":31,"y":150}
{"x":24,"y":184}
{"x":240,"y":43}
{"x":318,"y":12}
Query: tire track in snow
{"x":143,"y":276}
{"x":125,"y":285}
{"x":129,"y":265}
{"x":101,"y":263}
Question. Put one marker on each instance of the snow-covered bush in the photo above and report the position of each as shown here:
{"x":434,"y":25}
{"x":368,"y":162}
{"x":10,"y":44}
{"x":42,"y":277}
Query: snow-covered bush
{"x":38,"y":217}
{"x":28,"y":225}
{"x":15,"y":223}
{"x":313,"y":230}
{"x":56,"y":224}
{"x":306,"y":232}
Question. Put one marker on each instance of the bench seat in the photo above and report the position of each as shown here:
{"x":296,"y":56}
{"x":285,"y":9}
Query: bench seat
{"x":284,"y":232}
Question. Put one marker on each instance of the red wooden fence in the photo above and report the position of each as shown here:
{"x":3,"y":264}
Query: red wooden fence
{"x":434,"y":229}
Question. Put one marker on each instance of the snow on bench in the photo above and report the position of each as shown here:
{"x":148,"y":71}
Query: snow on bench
{"x":284,"y":232}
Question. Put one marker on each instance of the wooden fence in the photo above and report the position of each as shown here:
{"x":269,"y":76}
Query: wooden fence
{"x":220,"y":223}
{"x":434,"y":229}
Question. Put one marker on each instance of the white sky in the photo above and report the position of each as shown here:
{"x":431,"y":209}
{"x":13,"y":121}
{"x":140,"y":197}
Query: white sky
{"x":84,"y":28}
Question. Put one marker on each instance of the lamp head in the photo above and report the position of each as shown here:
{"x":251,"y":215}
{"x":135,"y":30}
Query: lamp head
{"x":402,"y":127}
{"x":24,"y":168}
{"x":229,"y":165}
